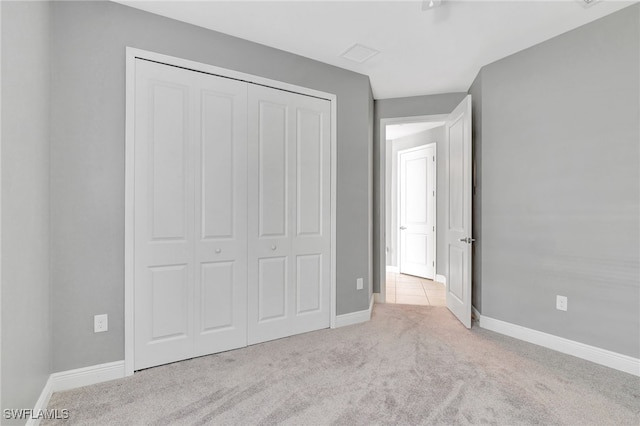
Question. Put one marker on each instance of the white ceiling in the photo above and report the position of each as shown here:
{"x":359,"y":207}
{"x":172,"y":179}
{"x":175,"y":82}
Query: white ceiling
{"x":395,"y":131}
{"x":421,"y":52}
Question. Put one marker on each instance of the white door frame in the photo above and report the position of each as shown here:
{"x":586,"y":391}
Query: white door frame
{"x":1,"y":204}
{"x":433,"y":206}
{"x":129,"y":262}
{"x":384,"y":197}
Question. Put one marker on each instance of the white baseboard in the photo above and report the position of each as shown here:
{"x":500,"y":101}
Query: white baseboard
{"x":355,"y":317}
{"x":42,"y":402}
{"x":72,"y":379}
{"x":377,"y":298}
{"x":393,"y":269}
{"x":580,"y":350}
{"x":441,"y":279}
{"x":91,"y":375}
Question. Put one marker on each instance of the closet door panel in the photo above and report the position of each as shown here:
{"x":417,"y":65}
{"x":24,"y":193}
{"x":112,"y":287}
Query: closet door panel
{"x":270,"y":196}
{"x":289,"y":213}
{"x":221,"y":215}
{"x":190,"y":224}
{"x":163,"y":207}
{"x":311,"y":244}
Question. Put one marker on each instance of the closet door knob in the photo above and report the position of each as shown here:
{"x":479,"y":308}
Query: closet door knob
{"x":273,"y":247}
{"x":218,"y":251}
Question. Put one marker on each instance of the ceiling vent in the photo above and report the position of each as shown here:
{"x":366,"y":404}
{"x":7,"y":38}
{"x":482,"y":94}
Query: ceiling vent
{"x":359,"y":53}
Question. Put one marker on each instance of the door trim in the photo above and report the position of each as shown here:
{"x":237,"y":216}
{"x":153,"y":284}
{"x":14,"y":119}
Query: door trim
{"x":129,"y":261}
{"x":434,"y":205}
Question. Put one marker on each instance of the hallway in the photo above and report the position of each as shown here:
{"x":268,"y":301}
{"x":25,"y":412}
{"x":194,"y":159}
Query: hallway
{"x":409,"y":290}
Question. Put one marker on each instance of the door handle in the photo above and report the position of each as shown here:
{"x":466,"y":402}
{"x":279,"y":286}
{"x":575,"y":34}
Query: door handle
{"x":402,"y":228}
{"x":467,"y":240}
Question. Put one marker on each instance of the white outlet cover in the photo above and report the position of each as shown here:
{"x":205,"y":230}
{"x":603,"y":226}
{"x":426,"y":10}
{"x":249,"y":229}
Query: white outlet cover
{"x":561,"y":303}
{"x":359,"y":284}
{"x":100,"y":323}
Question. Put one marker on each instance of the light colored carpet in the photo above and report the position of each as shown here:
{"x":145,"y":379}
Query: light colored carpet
{"x":408,"y":365}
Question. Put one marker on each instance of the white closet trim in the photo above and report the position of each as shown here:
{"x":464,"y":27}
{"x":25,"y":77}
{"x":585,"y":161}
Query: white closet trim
{"x":131,"y":55}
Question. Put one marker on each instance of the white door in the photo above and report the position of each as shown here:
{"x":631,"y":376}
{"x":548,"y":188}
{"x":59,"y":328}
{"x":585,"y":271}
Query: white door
{"x":417,"y":211}
{"x":458,"y":211}
{"x":289,"y":214}
{"x":190,"y":214}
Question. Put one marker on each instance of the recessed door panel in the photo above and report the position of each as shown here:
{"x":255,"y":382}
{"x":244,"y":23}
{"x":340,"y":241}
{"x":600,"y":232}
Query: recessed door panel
{"x":272,"y":166}
{"x":416,"y":248}
{"x":309,"y":166}
{"x":169,"y":291}
{"x":218,"y":183}
{"x":416,"y":192}
{"x":217,"y":302}
{"x":456,"y":273}
{"x":456,"y":175}
{"x":272,"y":288}
{"x":309,"y":283}
{"x":168,"y":153}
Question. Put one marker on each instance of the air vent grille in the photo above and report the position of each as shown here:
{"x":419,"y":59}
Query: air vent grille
{"x":359,"y":53}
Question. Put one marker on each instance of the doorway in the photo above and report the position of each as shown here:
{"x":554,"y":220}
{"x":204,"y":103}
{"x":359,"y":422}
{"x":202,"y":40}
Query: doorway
{"x":411,"y":212}
{"x":456,"y":186}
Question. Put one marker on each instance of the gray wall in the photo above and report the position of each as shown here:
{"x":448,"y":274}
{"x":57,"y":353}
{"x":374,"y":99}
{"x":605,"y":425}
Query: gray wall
{"x":87,"y":161}
{"x":435,"y":135}
{"x":396,"y":108}
{"x":561,"y":182}
{"x":26,"y":326}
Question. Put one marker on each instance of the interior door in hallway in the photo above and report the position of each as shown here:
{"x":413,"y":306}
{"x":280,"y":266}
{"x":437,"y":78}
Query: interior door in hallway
{"x":458,"y":211}
{"x":190,"y":214}
{"x":289,"y":214}
{"x":417,"y":211}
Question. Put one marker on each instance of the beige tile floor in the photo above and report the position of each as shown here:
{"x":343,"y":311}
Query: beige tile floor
{"x":410,"y":290}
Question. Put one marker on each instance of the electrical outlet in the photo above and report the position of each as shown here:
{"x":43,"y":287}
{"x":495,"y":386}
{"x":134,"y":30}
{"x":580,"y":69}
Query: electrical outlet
{"x":100,"y":323}
{"x":561,"y":303}
{"x":359,"y":284}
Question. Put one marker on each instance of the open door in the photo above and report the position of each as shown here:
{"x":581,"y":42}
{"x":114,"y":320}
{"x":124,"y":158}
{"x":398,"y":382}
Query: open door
{"x":458,"y":211}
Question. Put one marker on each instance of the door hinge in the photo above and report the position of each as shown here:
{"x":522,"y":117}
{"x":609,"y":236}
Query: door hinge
{"x":433,"y":263}
{"x":434,"y":228}
{"x":434,"y":158}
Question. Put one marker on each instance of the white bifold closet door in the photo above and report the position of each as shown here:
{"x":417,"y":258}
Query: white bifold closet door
{"x":232,"y":214}
{"x":289,"y":214}
{"x":190,"y":214}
